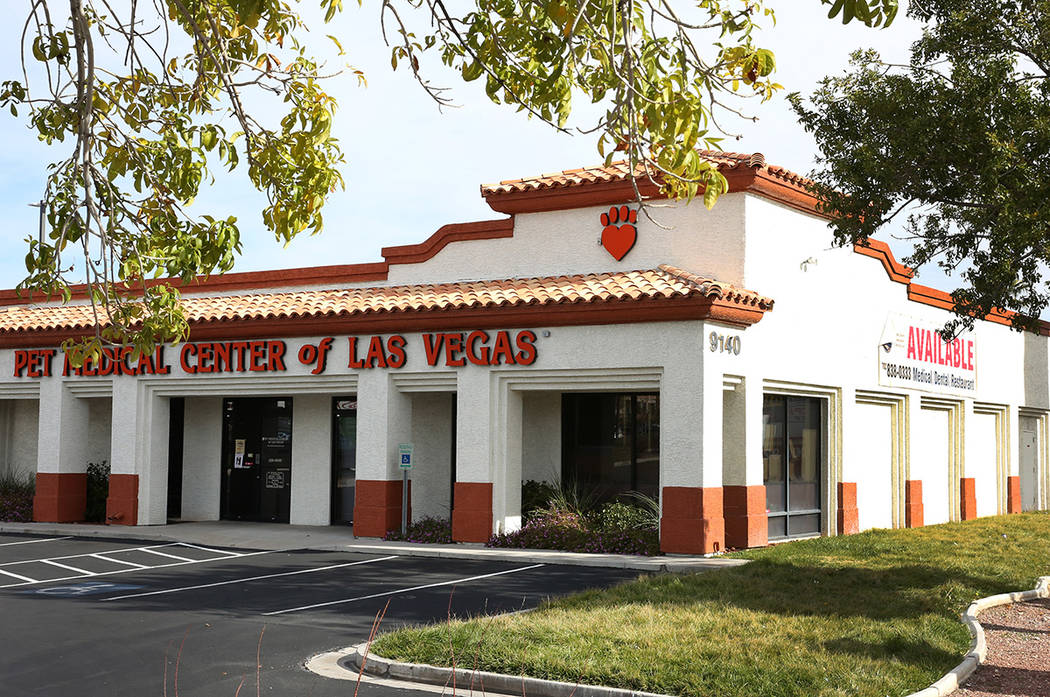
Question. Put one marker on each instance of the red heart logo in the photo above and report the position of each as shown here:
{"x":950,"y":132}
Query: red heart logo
{"x":619,"y":239}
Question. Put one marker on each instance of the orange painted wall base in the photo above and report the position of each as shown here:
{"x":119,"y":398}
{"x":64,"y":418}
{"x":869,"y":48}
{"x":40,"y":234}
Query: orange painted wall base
{"x":1013,"y":494}
{"x":968,"y":498}
{"x":848,"y":515}
{"x":913,"y":510}
{"x":377,"y":507}
{"x":472,"y":512}
{"x":692,"y":521}
{"x":122,"y":504}
{"x":60,"y":497}
{"x":746,"y":523}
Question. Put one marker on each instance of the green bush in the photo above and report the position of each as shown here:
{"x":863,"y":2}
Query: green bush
{"x":620,"y":517}
{"x":97,"y":491}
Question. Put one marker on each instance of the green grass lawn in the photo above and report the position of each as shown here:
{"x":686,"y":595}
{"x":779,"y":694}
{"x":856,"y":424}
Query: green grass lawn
{"x":873,"y":614}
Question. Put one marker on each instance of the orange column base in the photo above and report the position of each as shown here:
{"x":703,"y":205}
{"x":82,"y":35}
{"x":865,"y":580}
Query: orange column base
{"x":692,"y":521}
{"x":472,"y":513}
{"x":848,"y":515}
{"x":60,"y":497}
{"x":122,"y":504}
{"x":913,"y":510}
{"x":1013,"y":494}
{"x":746,"y":523}
{"x":968,"y":498}
{"x":377,"y":507}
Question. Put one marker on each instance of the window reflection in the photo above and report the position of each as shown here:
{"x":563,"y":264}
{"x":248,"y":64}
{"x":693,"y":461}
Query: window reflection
{"x":611,"y":443}
{"x":792,"y":437}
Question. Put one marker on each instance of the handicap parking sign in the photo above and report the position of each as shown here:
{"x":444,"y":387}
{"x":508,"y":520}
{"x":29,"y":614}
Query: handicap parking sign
{"x":77,"y":590}
{"x":404,"y":451}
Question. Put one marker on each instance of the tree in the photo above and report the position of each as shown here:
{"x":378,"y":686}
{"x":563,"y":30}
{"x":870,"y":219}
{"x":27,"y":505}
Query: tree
{"x":152,"y":97}
{"x":956,"y":144}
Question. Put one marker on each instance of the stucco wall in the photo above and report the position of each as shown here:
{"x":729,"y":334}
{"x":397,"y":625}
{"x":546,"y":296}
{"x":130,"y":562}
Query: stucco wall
{"x":201,"y":458}
{"x":432,"y":455}
{"x":541,"y":437}
{"x":21,"y":419}
{"x":563,"y":242}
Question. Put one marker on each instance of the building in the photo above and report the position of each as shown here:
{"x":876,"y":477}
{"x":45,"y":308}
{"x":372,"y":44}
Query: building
{"x":763,"y":384}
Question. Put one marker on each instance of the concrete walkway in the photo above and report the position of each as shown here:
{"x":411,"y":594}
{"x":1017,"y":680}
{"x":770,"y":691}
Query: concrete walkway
{"x":240,"y":535}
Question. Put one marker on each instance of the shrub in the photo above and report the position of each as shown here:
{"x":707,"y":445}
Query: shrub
{"x":97,"y":491}
{"x":16,"y":496}
{"x":428,"y":529}
{"x":570,"y":531}
{"x":621,"y":517}
{"x":535,"y":496}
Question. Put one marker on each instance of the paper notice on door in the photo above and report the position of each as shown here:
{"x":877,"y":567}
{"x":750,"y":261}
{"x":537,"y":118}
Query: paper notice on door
{"x":238,"y":453}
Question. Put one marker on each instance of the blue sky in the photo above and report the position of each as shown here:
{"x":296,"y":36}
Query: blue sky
{"x":411,"y":169}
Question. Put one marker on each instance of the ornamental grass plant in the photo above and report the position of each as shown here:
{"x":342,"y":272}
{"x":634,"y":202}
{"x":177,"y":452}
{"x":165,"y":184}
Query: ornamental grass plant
{"x":16,"y":496}
{"x":868,"y":615}
{"x":572,"y":521}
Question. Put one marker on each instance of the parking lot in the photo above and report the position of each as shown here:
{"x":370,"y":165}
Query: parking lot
{"x":105,"y":618}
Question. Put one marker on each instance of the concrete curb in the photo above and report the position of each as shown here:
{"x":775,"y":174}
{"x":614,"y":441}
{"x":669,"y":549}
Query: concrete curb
{"x":979,"y":647}
{"x":183,"y":532}
{"x":474,"y":680}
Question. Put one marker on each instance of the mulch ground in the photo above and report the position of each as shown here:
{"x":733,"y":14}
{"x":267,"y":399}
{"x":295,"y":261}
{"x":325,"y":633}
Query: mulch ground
{"x":1018,"y":662}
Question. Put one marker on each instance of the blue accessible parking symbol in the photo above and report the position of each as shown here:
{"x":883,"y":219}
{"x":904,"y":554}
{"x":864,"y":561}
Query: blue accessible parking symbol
{"x":79,"y":589}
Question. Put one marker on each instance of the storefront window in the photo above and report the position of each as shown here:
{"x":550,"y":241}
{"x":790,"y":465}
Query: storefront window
{"x":611,"y":443}
{"x":792,"y":458}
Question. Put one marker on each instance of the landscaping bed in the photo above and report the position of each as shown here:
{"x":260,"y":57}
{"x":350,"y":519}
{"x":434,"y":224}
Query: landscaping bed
{"x":871,"y":615}
{"x":16,"y":497}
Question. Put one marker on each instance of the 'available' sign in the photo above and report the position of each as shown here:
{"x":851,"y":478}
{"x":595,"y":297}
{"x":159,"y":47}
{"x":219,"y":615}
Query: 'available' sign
{"x":912,"y":354}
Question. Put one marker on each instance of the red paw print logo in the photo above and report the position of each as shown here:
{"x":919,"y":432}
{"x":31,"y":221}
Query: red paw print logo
{"x":619,"y":239}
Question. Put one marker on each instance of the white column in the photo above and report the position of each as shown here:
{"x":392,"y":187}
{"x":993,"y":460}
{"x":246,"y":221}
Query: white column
{"x":63,"y":431}
{"x":139,"y":446}
{"x":311,"y":460}
{"x":742,"y":434}
{"x":475,"y":405}
{"x":202,"y":458}
{"x":384,"y":419}
{"x":506,"y":468}
{"x":691,"y":420}
{"x":488,"y":457}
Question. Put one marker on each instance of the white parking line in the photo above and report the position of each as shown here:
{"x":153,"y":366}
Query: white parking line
{"x":29,"y":542}
{"x":13,"y":575}
{"x":150,"y":550}
{"x":210,"y":549}
{"x":67,"y":567}
{"x":403,"y":590}
{"x":118,"y":561}
{"x":30,"y":581}
{"x":108,"y":551}
{"x":246,"y":580}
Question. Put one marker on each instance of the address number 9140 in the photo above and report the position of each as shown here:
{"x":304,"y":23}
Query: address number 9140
{"x":720,"y":343}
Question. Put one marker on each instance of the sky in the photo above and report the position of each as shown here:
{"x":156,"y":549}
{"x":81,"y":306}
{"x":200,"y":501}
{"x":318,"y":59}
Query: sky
{"x":411,"y":168}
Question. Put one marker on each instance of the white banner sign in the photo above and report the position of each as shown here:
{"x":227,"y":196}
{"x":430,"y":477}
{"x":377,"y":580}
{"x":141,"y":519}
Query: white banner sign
{"x":913,"y":355}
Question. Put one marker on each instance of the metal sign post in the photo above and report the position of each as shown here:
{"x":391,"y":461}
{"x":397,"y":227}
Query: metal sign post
{"x":404,"y":453}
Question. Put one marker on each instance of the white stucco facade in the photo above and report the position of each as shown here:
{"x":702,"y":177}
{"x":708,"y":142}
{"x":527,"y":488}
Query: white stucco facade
{"x":799,"y":391}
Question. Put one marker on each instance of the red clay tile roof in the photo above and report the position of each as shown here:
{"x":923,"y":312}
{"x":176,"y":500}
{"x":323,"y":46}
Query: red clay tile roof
{"x":610,"y":184}
{"x":617,"y":171}
{"x":665,"y":282}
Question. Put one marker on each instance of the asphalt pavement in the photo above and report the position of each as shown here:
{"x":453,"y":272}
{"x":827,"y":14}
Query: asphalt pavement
{"x":115,"y":618}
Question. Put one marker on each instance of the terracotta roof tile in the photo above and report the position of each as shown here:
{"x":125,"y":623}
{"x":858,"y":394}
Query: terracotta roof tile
{"x":663,"y":282}
{"x":617,"y":171}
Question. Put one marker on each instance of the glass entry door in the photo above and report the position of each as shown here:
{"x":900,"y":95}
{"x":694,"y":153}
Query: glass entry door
{"x":792,"y":458}
{"x":257,"y":458}
{"x":344,"y":459}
